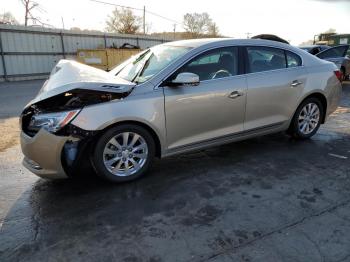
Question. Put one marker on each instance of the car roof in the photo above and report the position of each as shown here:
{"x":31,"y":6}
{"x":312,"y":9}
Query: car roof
{"x":195,"y":43}
{"x":217,"y":42}
{"x":207,"y":43}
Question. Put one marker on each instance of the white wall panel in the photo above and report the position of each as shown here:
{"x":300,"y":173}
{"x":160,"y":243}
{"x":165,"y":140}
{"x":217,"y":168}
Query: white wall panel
{"x":34,"y":51}
{"x":30,"y":64}
{"x":72,"y":43}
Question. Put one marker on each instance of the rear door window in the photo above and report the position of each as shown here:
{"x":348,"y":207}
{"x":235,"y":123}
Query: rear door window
{"x":265,"y":59}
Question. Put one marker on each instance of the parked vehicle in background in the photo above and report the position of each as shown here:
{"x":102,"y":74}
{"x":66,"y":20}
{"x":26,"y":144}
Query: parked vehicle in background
{"x":338,"y":55}
{"x":270,"y":37}
{"x":170,"y":99}
{"x":315,"y":49}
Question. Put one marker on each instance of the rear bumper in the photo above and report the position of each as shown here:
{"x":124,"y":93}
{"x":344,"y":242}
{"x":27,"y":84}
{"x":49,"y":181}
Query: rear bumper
{"x":43,"y":154}
{"x":333,"y":99}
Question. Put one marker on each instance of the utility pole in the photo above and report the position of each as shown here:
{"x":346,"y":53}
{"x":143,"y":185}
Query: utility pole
{"x":62,"y":22}
{"x":144,"y":20}
{"x":174,"y":31}
{"x":26,"y":6}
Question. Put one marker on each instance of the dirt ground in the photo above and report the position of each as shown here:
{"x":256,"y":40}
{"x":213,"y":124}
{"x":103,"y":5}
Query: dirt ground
{"x":10,"y":133}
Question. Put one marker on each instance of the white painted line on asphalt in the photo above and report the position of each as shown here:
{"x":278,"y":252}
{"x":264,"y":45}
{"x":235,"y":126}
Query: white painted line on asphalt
{"x":338,"y":156}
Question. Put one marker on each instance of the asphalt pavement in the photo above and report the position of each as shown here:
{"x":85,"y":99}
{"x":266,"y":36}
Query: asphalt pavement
{"x":265,"y":199}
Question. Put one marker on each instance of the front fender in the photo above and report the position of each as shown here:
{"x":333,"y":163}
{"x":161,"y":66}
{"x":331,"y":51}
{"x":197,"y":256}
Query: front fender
{"x":146,"y":108}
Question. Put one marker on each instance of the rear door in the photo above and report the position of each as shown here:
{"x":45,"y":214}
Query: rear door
{"x":275,"y":81}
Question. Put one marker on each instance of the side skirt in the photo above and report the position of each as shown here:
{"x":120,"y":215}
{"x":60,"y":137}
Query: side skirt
{"x":264,"y":130}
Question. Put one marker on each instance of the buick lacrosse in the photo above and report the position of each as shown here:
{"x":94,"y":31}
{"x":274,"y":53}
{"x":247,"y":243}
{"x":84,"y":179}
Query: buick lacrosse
{"x":170,"y":99}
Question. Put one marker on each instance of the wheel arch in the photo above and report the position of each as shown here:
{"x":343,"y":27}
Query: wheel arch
{"x":153,"y":133}
{"x":322,"y":98}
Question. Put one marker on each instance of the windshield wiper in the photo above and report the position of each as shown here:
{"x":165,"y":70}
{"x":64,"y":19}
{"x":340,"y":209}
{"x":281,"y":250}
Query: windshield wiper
{"x":144,"y":66}
{"x":141,"y":57}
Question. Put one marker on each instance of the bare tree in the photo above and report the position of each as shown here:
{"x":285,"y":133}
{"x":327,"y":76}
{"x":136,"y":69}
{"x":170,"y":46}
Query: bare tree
{"x":199,"y":24}
{"x":123,"y":21}
{"x":213,"y":30}
{"x":29,"y":6}
{"x":8,"y":19}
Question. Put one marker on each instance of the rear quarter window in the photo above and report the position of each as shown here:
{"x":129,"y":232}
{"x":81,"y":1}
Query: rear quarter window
{"x":293,"y":60}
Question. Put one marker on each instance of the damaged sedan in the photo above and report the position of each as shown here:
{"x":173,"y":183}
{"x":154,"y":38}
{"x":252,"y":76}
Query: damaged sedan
{"x":170,"y":99}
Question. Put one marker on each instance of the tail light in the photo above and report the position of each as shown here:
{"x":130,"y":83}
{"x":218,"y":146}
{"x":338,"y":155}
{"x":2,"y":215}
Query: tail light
{"x":339,"y":75}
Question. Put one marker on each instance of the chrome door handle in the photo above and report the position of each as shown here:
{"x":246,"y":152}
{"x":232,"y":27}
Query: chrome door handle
{"x":235,"y":94}
{"x":295,"y":83}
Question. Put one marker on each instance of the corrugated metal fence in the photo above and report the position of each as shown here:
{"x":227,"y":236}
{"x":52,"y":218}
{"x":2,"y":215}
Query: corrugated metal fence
{"x":31,"y":53}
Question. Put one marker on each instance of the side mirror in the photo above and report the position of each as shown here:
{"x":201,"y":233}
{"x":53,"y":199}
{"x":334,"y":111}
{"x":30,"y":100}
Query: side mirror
{"x":186,"y":79}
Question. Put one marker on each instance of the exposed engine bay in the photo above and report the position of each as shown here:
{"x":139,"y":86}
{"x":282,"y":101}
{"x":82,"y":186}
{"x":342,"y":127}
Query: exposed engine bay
{"x":74,"y":99}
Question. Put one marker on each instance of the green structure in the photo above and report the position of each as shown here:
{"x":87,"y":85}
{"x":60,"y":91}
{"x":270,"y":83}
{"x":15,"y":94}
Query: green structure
{"x":332,"y":39}
{"x":339,"y":39}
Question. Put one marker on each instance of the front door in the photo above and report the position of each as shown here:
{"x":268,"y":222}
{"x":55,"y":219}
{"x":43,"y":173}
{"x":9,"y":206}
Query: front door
{"x":212,"y":109}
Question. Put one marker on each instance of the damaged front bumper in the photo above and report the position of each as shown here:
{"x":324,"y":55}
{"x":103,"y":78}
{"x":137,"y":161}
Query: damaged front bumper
{"x":43,"y":153}
{"x":53,"y":148}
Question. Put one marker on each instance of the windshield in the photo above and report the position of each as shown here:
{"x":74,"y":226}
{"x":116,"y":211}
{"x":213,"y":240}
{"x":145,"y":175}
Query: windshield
{"x":142,"y":67}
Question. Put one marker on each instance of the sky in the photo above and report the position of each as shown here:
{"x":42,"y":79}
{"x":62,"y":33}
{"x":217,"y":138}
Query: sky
{"x":294,"y":20}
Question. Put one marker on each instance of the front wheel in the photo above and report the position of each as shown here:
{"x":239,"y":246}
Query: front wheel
{"x":123,"y":153}
{"x":307,"y":119}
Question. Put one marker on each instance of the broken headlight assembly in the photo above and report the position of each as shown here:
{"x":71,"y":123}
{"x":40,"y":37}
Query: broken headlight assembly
{"x":52,"y":122}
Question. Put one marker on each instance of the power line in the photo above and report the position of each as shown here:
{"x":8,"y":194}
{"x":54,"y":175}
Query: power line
{"x":169,"y":19}
{"x":139,"y":9}
{"x":123,"y":6}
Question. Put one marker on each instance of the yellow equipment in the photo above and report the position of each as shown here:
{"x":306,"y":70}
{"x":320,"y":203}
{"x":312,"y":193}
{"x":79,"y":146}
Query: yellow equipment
{"x":105,"y":59}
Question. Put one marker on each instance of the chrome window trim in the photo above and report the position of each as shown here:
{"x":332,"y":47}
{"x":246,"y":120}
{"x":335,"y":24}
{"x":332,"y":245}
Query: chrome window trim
{"x":156,"y":86}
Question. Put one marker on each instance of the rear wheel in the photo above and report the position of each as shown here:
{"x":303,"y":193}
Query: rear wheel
{"x":123,"y":153}
{"x":307,"y":119}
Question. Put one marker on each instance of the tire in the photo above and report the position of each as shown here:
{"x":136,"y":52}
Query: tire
{"x":117,"y":161}
{"x":297,"y":129}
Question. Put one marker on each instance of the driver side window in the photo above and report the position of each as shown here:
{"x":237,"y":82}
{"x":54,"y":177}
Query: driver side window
{"x":213,"y":64}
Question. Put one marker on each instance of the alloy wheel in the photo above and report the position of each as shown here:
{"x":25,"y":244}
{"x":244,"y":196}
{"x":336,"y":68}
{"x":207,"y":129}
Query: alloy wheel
{"x":309,"y":118}
{"x":125,"y":154}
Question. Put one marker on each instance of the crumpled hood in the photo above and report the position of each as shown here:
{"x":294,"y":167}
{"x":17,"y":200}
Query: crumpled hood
{"x":68,"y":75}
